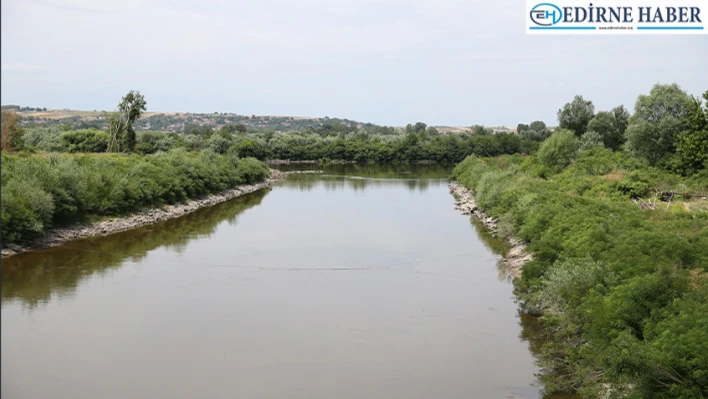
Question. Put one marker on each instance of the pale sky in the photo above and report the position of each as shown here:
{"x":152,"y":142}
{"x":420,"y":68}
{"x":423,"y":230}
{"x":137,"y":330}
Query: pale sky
{"x":382,"y":61}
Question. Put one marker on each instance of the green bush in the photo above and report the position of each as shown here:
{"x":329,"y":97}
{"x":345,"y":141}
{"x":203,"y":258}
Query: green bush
{"x":43,"y":138}
{"x":622,"y":290}
{"x":590,"y":140}
{"x":42,"y":191}
{"x":559,"y":150}
{"x":85,"y":140}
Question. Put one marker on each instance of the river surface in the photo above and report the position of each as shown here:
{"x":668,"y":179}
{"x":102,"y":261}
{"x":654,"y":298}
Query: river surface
{"x":358,"y":283}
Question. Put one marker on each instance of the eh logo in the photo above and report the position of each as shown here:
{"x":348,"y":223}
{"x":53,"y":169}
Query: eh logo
{"x":546,"y":14}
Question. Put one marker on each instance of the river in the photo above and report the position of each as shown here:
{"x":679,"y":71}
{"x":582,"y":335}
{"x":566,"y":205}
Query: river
{"x":362,"y":282}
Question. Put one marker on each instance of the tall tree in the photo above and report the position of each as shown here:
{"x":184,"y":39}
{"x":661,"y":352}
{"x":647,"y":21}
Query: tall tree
{"x":657,"y":121}
{"x":692,"y":147}
{"x":537,"y":126}
{"x":121,"y":132}
{"x":621,"y":118}
{"x":11,"y":131}
{"x":576,"y":115}
{"x":480,"y":130}
{"x":610,"y":125}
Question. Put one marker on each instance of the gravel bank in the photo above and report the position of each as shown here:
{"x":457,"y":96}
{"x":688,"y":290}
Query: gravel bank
{"x":517,"y":255}
{"x":62,"y":235}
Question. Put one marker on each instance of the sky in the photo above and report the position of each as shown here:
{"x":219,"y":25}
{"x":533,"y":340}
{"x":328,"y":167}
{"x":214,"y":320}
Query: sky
{"x":392,"y":62}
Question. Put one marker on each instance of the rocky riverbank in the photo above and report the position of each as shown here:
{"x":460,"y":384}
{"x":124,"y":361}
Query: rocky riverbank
{"x":287,"y":162}
{"x":517,"y":255}
{"x":62,"y":235}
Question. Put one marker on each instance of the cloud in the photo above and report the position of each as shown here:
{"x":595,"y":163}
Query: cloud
{"x":19,"y":67}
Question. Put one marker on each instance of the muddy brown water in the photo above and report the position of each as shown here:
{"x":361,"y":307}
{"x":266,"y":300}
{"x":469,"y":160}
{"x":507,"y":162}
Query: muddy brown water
{"x":363,"y":282}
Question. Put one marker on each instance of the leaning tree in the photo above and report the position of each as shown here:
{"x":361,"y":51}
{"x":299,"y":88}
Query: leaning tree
{"x":121,"y":132}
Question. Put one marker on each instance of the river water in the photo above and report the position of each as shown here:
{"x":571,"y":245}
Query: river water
{"x":358,"y":283}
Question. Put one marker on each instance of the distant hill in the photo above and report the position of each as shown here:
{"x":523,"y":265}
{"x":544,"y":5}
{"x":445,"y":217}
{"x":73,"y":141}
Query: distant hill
{"x":182,"y":122}
{"x":176,"y":121}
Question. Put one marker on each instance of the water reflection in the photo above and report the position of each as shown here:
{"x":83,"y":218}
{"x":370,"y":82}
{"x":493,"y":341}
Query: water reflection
{"x":307,"y":182}
{"x":531,"y":329}
{"x":413,"y":171}
{"x":33,"y":277}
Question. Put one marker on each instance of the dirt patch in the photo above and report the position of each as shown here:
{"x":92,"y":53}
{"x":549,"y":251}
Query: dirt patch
{"x":613,"y":176}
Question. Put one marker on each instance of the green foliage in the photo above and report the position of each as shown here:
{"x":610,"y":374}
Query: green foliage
{"x":85,"y":140}
{"x":421,"y":145}
{"x":576,"y":115}
{"x":538,"y":126}
{"x":623,"y":291}
{"x":42,"y":191}
{"x":334,"y":141}
{"x":44,"y":138}
{"x":664,"y":100}
{"x":559,"y":150}
{"x":121,"y":131}
{"x":591,"y":139}
{"x":569,"y":281}
{"x":11,"y":131}
{"x":149,"y":142}
{"x":657,"y":121}
{"x":653,"y":141}
{"x":218,"y":144}
{"x":479,"y":130}
{"x":534,"y":135}
{"x":251,"y":148}
{"x":26,"y":208}
{"x":692,"y":147}
{"x":610,"y":126}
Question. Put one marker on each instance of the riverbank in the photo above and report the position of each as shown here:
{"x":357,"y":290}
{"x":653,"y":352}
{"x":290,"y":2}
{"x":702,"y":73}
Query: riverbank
{"x":517,"y":255}
{"x":288,"y":162}
{"x":63,"y":235}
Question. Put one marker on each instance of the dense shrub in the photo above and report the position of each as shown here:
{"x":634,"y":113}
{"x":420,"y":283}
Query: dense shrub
{"x":43,"y":191}
{"x":589,"y":140}
{"x":43,"y":138}
{"x":559,"y":150}
{"x":251,"y":148}
{"x":623,"y":290}
{"x":85,"y":140}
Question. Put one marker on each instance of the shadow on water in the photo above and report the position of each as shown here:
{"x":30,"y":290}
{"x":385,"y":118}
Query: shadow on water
{"x":531,"y":329}
{"x":34,"y":277}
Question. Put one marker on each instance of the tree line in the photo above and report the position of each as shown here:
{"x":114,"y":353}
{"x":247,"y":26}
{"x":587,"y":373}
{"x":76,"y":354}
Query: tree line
{"x":667,"y":129}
